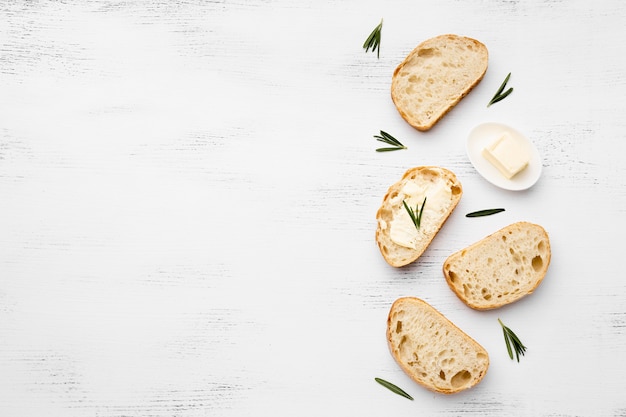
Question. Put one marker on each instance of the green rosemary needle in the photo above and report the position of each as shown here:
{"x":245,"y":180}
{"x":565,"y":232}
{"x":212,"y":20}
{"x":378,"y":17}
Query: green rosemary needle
{"x":373,"y":40}
{"x":389,"y":140}
{"x":500,"y":95}
{"x":487,"y":212}
{"x":393,"y":388}
{"x":416,"y":215}
{"x":512,"y":340}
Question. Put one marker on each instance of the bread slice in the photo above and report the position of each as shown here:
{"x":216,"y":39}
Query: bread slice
{"x":435,"y":76}
{"x":433,"y":351}
{"x":398,"y":239}
{"x":500,"y":268}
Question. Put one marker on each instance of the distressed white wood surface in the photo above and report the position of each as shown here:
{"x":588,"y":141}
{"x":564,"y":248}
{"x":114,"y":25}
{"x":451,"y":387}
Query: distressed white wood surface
{"x":188,"y":192}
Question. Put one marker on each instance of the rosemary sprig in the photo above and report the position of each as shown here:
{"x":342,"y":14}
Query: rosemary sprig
{"x":393,"y":388}
{"x":390,"y":140}
{"x":500,"y":95}
{"x":512,"y":340}
{"x":487,"y":212}
{"x":373,"y":40}
{"x":416,"y":215}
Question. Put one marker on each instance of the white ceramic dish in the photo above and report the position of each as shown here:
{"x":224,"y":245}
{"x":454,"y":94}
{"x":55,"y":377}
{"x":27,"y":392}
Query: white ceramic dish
{"x":484,"y":134}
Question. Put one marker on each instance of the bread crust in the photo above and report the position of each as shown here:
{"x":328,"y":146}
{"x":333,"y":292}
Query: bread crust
{"x":435,"y":76}
{"x":393,"y":253}
{"x":432,"y":350}
{"x":501,"y":268}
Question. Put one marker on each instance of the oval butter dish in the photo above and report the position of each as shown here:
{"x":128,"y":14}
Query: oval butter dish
{"x":483,"y":136}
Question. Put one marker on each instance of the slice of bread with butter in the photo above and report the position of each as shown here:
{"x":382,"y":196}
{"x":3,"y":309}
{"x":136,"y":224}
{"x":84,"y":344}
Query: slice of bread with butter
{"x":500,"y":268}
{"x":432,"y":350}
{"x":432,"y":193}
{"x":435,"y":76}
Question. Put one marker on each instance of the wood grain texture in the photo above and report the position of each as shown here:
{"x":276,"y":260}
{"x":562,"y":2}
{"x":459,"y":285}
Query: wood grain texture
{"x":188,"y":193}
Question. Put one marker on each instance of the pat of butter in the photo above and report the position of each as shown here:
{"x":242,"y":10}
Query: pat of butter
{"x":507,"y":154}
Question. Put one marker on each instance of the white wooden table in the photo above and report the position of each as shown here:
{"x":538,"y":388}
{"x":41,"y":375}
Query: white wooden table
{"x":188,"y":193}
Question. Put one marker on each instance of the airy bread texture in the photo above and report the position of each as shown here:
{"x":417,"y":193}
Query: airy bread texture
{"x":432,"y":350}
{"x":399,"y":241}
{"x":435,"y":76}
{"x":500,"y":268}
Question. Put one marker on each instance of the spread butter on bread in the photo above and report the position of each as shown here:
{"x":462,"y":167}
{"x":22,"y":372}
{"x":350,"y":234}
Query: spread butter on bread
{"x":432,"y":350}
{"x":399,"y":240}
{"x":435,"y":76}
{"x":500,"y":268}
